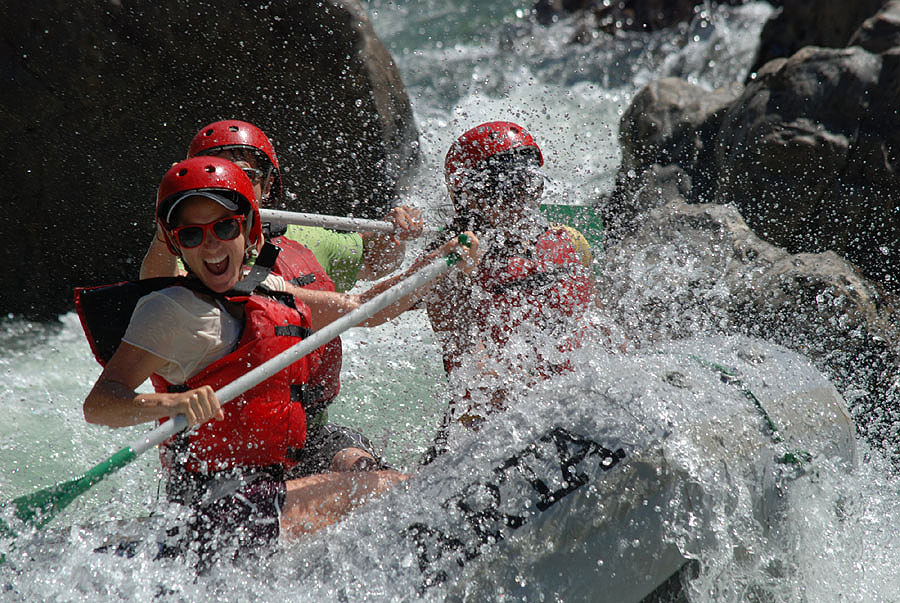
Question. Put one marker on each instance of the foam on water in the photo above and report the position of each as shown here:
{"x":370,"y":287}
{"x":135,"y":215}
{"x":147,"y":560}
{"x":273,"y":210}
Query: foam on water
{"x":628,"y":401}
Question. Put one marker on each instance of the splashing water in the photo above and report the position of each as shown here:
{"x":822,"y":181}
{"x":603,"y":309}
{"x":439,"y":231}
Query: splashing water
{"x":474,"y":62}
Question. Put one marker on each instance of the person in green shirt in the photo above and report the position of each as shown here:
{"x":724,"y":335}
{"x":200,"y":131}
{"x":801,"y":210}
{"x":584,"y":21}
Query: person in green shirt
{"x":345,"y":257}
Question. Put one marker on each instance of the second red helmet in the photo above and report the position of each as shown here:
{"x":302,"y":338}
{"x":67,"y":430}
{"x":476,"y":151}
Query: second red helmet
{"x":236,"y":134}
{"x":482,"y":142}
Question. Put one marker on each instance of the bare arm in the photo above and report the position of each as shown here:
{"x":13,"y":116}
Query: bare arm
{"x":159,"y":261}
{"x":383,"y":252}
{"x":320,"y":500}
{"x":327,"y":306}
{"x":470,"y":257}
{"x":113,"y":401}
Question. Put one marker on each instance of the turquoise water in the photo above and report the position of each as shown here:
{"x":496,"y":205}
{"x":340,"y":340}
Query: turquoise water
{"x":463,"y":64}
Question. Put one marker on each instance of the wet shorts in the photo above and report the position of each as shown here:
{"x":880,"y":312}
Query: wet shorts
{"x":231,"y":510}
{"x":242,"y":506}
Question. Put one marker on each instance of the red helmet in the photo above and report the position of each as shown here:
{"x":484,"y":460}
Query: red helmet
{"x":236,"y":134}
{"x":482,"y":142}
{"x":212,"y":177}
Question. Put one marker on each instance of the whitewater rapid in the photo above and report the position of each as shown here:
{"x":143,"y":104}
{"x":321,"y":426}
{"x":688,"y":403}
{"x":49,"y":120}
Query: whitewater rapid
{"x":462,"y":65}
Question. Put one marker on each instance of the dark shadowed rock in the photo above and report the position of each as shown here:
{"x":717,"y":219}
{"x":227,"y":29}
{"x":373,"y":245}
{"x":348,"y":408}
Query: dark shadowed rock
{"x":881,"y":32}
{"x":99,"y":98}
{"x":808,"y":154}
{"x":799,"y":23}
{"x":698,"y":267}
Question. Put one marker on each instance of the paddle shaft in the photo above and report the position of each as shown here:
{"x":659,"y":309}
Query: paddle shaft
{"x":580,"y":216}
{"x":276,"y":216}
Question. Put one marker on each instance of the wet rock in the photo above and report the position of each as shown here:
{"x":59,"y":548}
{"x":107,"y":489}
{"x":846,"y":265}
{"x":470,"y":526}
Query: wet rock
{"x":808,"y":152}
{"x":670,"y":123}
{"x":881,"y":32}
{"x":99,"y":98}
{"x":691,"y":268}
{"x":621,"y":212}
{"x":666,"y":121}
{"x":808,"y":156}
{"x":799,"y":23}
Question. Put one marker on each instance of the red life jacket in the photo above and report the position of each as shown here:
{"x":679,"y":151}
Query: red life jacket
{"x":297,"y":263}
{"x":267,"y":424}
{"x":539,"y":287}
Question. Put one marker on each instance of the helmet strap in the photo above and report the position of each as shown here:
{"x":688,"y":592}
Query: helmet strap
{"x":250,"y":255}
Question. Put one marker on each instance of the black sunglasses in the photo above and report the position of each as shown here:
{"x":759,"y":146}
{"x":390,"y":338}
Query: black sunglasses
{"x":254,"y":174}
{"x":192,"y":235}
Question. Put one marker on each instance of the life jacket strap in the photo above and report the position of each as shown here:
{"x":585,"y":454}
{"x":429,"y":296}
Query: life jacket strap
{"x":265,"y":261}
{"x":292,"y":331}
{"x":304,"y":280}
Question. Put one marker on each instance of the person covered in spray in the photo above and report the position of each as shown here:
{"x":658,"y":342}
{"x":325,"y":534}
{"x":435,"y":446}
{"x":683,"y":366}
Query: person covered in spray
{"x":251,"y":472}
{"x":345,"y":257}
{"x":515,"y":318}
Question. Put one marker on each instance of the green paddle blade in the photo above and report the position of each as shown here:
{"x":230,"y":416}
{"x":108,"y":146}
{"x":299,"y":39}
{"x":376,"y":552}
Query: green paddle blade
{"x":38,"y":508}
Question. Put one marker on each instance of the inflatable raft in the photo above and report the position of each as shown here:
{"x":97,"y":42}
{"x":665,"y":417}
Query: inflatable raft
{"x":604,"y":485}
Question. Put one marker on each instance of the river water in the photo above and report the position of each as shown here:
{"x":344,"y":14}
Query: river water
{"x":463,"y":64}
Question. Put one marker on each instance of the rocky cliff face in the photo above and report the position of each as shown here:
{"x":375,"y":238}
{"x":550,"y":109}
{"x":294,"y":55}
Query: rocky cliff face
{"x":798,"y":23}
{"x":99,"y":98}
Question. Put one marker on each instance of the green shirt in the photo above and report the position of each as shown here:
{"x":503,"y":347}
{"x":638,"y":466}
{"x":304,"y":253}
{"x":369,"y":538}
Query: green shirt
{"x":340,"y":254}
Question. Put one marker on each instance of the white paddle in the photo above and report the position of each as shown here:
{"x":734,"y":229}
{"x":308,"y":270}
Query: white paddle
{"x":276,"y":216}
{"x":582,"y":217}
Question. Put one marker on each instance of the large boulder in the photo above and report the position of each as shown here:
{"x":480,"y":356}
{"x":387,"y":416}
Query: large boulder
{"x":101,"y":97}
{"x":880,"y":33}
{"x":668,"y":121}
{"x":809,"y":156}
{"x":808,"y":151}
{"x":667,"y":137}
{"x":799,"y":23}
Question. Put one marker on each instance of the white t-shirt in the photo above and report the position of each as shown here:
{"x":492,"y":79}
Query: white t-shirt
{"x":186,"y":330}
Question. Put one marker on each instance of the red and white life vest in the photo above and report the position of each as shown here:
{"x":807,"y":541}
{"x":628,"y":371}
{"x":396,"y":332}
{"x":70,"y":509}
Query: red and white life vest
{"x":267,"y":424}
